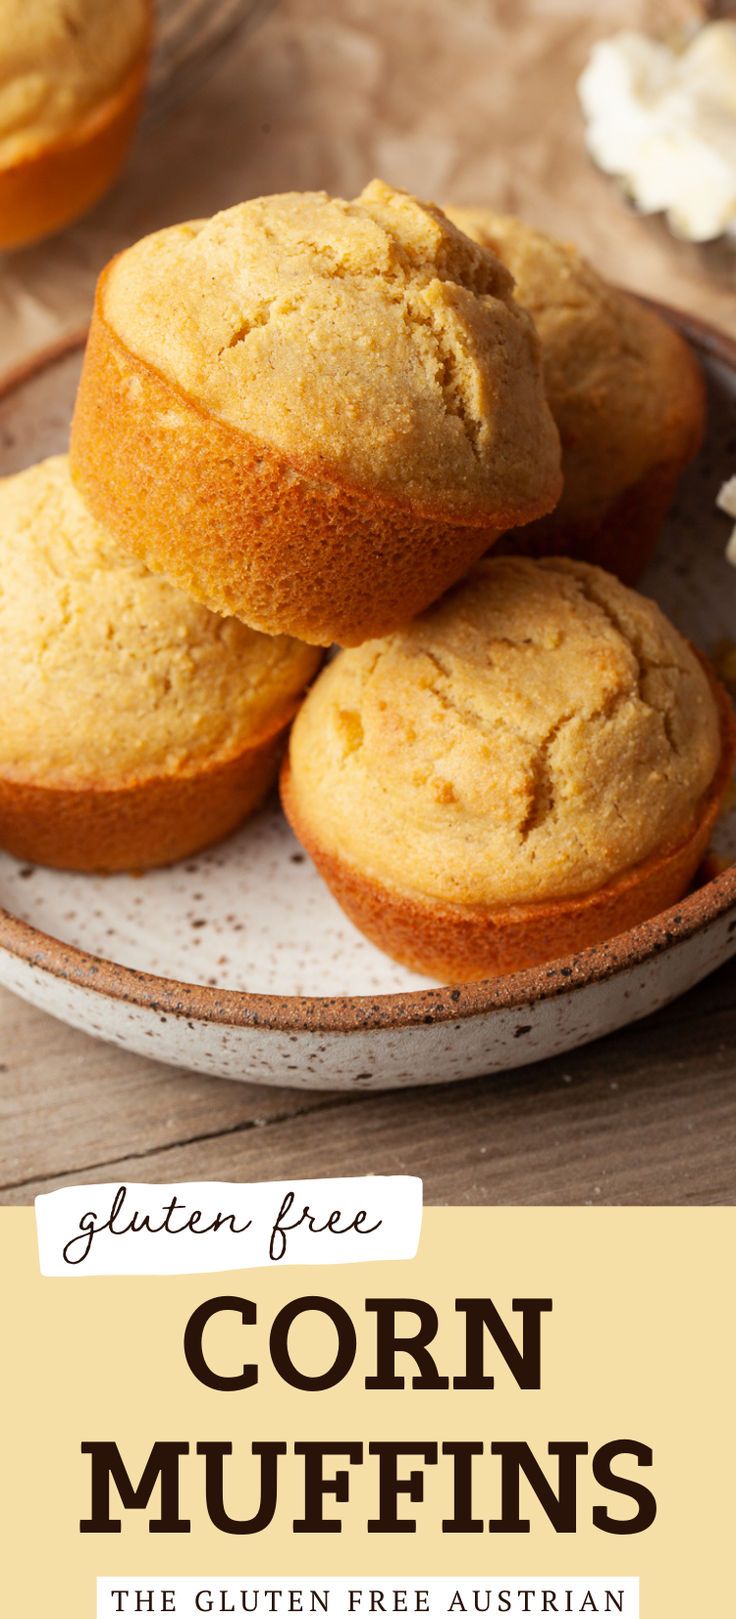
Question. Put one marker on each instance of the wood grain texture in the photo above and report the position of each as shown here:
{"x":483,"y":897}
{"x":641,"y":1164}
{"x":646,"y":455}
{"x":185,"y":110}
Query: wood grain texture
{"x":647,"y":1116}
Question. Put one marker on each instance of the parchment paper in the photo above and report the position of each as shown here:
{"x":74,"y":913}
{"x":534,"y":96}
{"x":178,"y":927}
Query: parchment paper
{"x":462,"y":100}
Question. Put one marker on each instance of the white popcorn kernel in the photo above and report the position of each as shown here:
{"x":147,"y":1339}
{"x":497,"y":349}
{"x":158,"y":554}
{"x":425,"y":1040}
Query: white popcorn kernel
{"x":663,"y":122}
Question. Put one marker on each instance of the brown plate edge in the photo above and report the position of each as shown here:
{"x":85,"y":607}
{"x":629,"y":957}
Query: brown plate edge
{"x":411,"y":1008}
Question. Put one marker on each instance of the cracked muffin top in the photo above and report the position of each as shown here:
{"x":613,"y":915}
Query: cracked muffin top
{"x":370,"y":342}
{"x":108,"y":674}
{"x":58,"y":60}
{"x":624,"y":388}
{"x":536,"y":734}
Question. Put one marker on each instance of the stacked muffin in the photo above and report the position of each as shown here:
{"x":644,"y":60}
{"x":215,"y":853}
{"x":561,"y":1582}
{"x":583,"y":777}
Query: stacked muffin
{"x":305,"y":421}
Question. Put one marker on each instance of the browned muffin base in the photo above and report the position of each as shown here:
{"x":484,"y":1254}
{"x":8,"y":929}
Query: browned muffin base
{"x":624,"y":539}
{"x":457,"y":943}
{"x":142,"y":824}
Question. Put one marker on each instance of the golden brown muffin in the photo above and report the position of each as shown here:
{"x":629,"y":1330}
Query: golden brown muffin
{"x":72,"y":74}
{"x":137,"y":726}
{"x":311,"y":413}
{"x":531,"y":767}
{"x":625,"y":390}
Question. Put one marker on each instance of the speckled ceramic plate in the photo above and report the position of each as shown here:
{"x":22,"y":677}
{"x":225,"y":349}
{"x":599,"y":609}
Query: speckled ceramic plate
{"x":240,"y":963}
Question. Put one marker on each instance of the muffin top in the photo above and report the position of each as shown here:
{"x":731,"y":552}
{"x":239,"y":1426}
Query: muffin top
{"x":537,"y":733}
{"x":369,"y":342}
{"x":107,"y":673}
{"x":624,"y":388}
{"x":58,"y":59}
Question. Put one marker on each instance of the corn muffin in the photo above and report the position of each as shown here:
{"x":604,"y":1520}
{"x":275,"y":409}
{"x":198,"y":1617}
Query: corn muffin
{"x":137,"y":726}
{"x":531,"y":767}
{"x":310,"y":413}
{"x":625,"y":390}
{"x":72,"y":74}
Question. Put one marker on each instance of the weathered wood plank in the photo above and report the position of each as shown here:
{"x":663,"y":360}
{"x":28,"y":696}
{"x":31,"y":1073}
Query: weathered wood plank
{"x":645,"y":1116}
{"x":68,"y":1102}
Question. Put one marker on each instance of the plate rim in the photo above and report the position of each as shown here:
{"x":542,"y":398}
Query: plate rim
{"x":346,"y":1014}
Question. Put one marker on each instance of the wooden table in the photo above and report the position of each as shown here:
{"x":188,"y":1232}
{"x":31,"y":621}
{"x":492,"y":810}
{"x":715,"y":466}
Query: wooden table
{"x":468,"y":103}
{"x":645,"y":1116}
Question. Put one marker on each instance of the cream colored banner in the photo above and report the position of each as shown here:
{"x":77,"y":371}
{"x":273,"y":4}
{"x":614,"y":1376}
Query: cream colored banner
{"x":635,"y":1357}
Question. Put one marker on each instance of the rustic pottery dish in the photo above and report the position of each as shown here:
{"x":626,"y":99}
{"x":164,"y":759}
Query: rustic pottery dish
{"x":239,"y":962}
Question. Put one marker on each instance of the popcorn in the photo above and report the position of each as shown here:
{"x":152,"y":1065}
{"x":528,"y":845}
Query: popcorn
{"x":726,"y":501}
{"x":663,"y":122}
